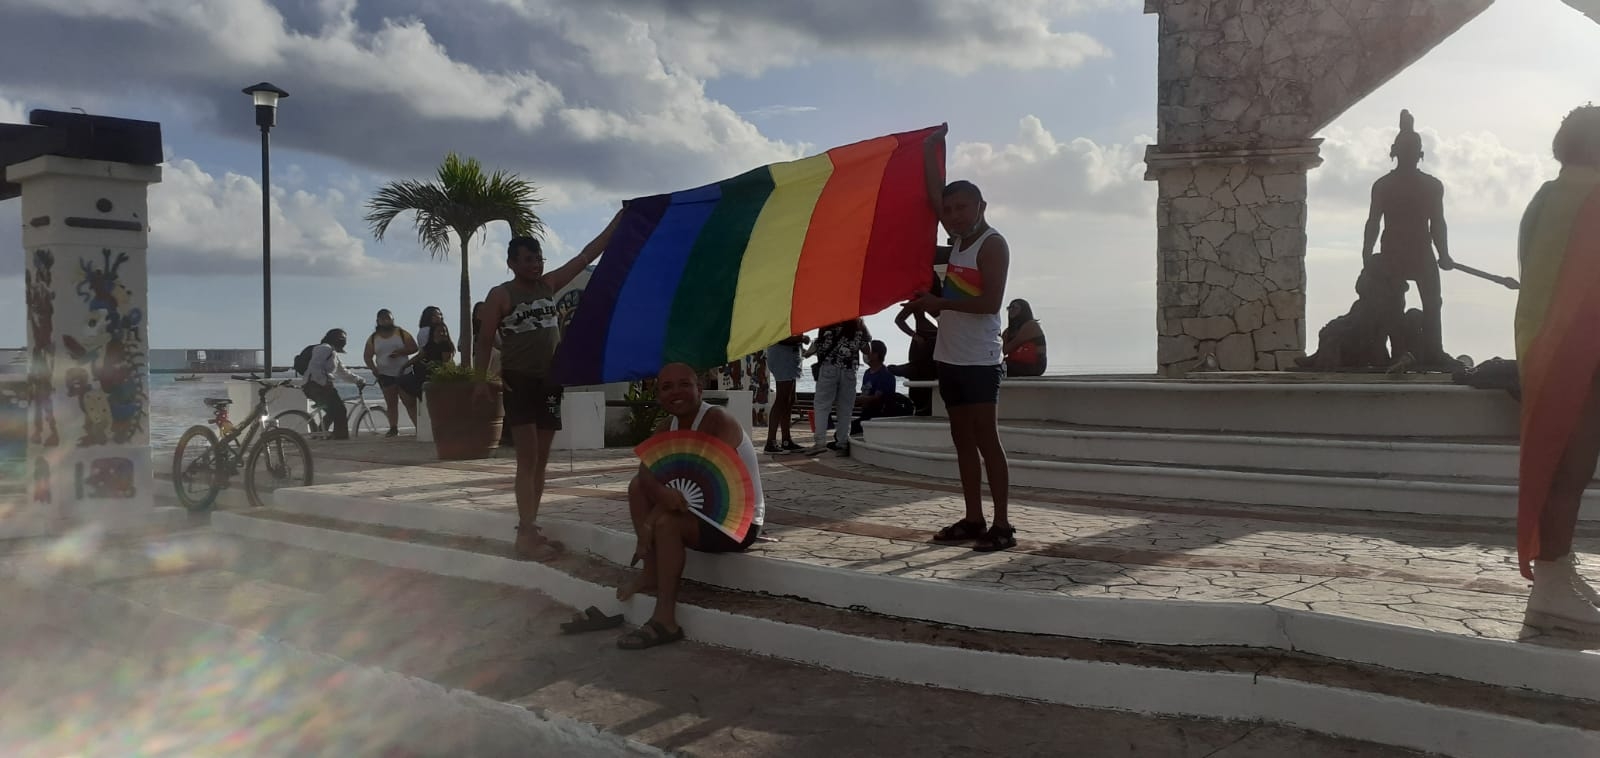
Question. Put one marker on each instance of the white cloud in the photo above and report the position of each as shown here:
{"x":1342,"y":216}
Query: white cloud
{"x":1041,"y":173}
{"x":206,"y":224}
{"x":710,"y":38}
{"x":12,"y":111}
{"x":775,"y":111}
{"x":551,"y":93}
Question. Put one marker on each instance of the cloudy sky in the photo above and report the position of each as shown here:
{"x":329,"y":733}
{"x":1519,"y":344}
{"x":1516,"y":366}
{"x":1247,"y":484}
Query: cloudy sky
{"x":1050,"y":104}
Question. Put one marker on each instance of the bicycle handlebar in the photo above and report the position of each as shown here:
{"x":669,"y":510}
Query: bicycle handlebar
{"x":264,"y":382}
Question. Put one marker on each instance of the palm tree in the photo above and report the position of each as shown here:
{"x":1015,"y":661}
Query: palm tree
{"x":461,"y":202}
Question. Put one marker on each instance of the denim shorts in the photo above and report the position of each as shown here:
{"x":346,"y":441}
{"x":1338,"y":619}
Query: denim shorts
{"x":783,"y":363}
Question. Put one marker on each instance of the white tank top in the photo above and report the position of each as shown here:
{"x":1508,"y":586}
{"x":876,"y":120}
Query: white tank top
{"x":967,"y":339}
{"x":383,"y":346}
{"x":747,"y":453}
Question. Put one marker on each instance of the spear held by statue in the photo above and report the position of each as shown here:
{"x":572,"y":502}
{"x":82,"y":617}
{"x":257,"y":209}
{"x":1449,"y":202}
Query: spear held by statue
{"x":1504,"y":281}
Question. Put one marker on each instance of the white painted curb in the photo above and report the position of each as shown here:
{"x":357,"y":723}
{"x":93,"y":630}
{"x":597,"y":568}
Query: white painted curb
{"x":1161,"y":622}
{"x":1358,"y":715}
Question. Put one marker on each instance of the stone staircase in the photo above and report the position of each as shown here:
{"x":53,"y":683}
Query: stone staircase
{"x":1387,"y":446}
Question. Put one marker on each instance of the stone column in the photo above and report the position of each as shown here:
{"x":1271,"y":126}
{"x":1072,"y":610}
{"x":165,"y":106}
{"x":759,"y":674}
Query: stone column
{"x":1242,"y":88}
{"x":84,"y":239}
{"x":1232,"y":246}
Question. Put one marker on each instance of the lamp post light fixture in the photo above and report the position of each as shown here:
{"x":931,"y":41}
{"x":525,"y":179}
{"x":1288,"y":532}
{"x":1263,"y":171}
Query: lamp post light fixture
{"x":266,"y":97}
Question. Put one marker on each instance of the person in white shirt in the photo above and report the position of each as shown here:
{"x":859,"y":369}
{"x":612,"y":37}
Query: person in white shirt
{"x":969,"y":351}
{"x":324,"y":367}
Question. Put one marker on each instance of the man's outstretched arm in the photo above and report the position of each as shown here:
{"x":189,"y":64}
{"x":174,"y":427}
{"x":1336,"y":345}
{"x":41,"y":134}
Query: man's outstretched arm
{"x":561,"y":277}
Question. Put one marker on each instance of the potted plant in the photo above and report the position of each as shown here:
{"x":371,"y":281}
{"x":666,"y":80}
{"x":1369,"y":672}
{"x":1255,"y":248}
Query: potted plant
{"x":465,"y":426}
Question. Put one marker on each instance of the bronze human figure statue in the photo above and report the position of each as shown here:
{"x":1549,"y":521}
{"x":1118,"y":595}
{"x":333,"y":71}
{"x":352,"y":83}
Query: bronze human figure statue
{"x":1409,"y":207}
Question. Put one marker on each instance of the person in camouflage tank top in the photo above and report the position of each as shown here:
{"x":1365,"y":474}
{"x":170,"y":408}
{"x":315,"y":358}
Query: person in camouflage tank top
{"x":522,"y":312}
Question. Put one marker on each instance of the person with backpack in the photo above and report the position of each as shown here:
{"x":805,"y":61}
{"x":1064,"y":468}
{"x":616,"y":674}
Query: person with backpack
{"x":320,"y":364}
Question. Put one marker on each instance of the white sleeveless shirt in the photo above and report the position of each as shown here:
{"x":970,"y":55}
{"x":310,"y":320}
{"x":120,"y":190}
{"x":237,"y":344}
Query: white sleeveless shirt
{"x":747,"y":454}
{"x":383,"y":346}
{"x":967,"y":339}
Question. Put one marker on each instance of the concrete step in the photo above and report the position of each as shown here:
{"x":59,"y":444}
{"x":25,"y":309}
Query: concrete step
{"x":1313,"y":489}
{"x":1001,"y":608}
{"x":1480,"y":461}
{"x":1371,"y":407}
{"x":1423,"y":712}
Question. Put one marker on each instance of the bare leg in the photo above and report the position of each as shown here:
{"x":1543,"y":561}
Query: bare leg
{"x":986,"y":435}
{"x":1428,"y":290}
{"x":778,"y":415}
{"x":674,"y":535}
{"x":786,"y":392}
{"x":391,"y":403}
{"x":411,"y":406}
{"x":533,"y":453}
{"x":639,"y":508}
{"x":964,"y":437}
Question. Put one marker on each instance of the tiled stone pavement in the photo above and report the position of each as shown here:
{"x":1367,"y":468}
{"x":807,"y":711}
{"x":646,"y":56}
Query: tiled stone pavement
{"x":1456,"y":577}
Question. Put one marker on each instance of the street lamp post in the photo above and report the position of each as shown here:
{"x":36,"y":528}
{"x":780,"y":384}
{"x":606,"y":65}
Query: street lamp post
{"x":266,"y":97}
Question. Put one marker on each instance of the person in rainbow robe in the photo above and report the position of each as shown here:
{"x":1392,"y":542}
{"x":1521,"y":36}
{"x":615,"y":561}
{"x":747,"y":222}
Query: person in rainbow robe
{"x":661,"y":518}
{"x":1558,"y":353}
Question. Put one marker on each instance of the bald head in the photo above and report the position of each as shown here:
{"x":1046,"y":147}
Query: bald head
{"x":676,"y":371}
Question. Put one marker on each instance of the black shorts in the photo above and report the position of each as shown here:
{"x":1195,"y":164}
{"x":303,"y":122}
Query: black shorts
{"x":969,"y":385}
{"x":712,"y":540}
{"x":531,"y":400}
{"x":387,"y":381}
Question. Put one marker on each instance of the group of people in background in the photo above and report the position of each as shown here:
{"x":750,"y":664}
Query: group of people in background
{"x":399,"y":361}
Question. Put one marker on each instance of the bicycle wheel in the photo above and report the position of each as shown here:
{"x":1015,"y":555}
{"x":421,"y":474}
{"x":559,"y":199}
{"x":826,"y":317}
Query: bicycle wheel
{"x":295,"y":421}
{"x":197,"y":474}
{"x":280,"y":459}
{"x":368,"y":421}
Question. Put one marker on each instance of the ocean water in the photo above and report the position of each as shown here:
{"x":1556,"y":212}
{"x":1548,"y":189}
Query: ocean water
{"x":175,"y":406}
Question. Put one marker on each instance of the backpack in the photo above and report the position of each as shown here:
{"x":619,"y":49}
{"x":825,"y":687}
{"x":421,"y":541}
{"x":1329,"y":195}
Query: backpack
{"x":302,"y":362}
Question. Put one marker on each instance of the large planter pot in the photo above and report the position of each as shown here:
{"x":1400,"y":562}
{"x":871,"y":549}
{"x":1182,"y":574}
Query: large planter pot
{"x":464,"y":426}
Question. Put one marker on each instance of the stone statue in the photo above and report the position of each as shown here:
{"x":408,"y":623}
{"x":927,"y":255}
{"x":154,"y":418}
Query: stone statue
{"x":1361,"y":338}
{"x":1378,"y":332}
{"x":1409,"y":207}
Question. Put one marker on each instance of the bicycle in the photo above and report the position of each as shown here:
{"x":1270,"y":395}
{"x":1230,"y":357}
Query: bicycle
{"x":268,"y":455}
{"x":317,"y":425}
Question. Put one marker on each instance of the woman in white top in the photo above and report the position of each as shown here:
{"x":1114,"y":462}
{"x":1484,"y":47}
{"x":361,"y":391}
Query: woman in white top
{"x":968,"y":352}
{"x":387,"y":351}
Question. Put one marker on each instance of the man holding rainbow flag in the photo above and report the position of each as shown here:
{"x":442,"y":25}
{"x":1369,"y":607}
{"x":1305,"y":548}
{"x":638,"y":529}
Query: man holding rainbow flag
{"x":1558,"y":353}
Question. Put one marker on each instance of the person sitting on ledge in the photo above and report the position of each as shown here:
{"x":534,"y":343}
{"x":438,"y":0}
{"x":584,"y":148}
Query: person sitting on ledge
{"x":661,"y":518}
{"x":1024,"y":341}
{"x":1558,"y":354}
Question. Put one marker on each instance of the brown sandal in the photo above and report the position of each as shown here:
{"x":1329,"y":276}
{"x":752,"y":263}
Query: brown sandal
{"x":536,"y":546}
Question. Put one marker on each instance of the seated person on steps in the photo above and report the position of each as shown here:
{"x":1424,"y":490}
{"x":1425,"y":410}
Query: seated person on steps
{"x":661,"y":518}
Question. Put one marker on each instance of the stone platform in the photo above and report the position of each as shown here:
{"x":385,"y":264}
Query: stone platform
{"x":1147,"y":597}
{"x":1407,"y":444}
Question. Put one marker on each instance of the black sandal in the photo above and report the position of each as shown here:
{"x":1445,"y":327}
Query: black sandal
{"x":591,"y":620}
{"x":652,"y":634}
{"x":960,"y":531}
{"x":998,"y":538}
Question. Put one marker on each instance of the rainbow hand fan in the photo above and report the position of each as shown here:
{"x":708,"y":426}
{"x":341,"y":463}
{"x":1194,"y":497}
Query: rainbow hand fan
{"x":710,"y":475}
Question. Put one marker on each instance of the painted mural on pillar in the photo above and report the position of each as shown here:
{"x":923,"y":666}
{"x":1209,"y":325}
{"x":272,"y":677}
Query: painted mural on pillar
{"x":106,"y":478}
{"x":41,"y":480}
{"x":41,"y":332}
{"x":113,"y":347}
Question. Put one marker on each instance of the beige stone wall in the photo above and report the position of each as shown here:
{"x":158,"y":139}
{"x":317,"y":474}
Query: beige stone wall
{"x":1232,"y":277}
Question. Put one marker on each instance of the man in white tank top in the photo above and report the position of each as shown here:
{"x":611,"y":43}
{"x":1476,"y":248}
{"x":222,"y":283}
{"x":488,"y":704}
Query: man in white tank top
{"x":968,"y":352}
{"x":661,"y":517}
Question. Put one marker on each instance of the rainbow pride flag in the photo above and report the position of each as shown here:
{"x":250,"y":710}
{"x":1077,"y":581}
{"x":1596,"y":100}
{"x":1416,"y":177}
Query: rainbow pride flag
{"x":708,"y":275}
{"x":1558,"y":343}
